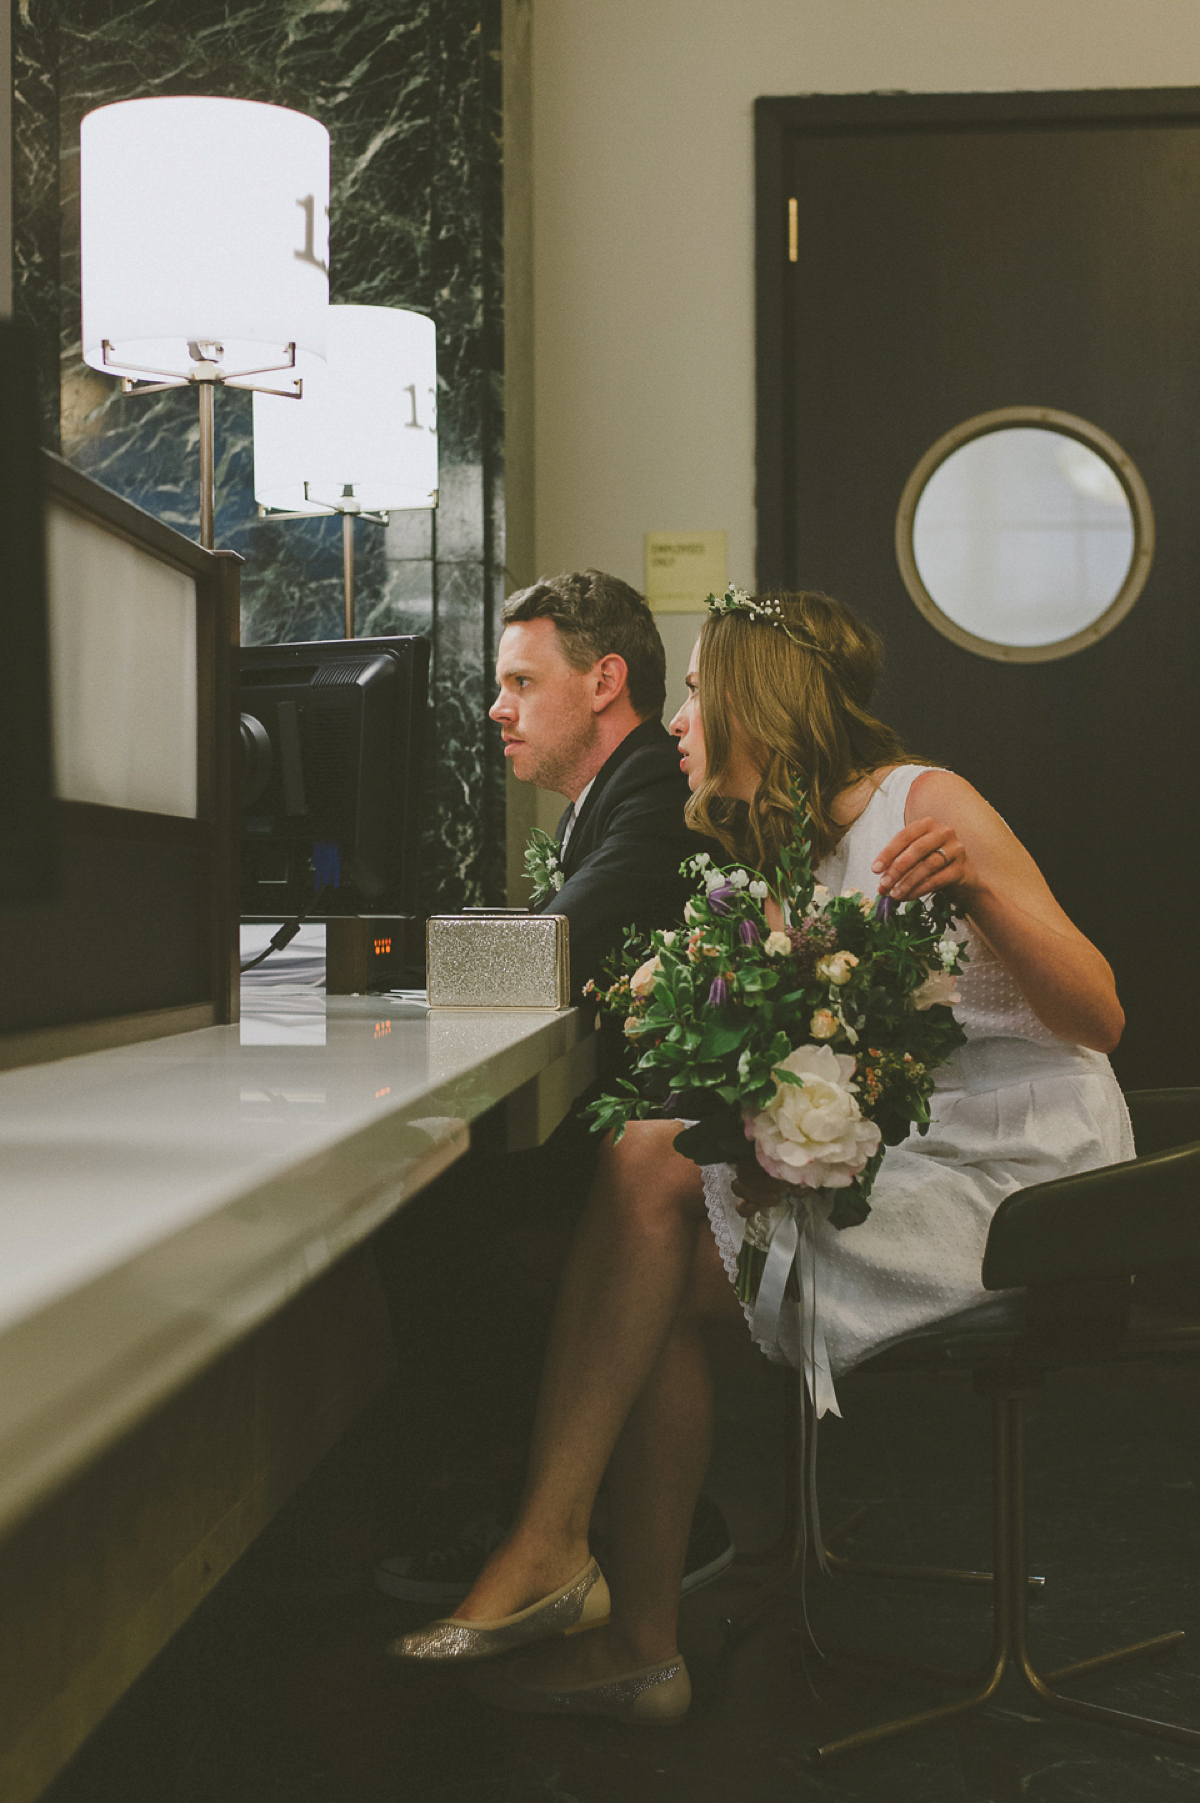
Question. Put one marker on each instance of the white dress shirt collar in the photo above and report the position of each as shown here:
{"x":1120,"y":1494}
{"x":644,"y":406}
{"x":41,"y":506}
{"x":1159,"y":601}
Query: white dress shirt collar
{"x":576,"y":810}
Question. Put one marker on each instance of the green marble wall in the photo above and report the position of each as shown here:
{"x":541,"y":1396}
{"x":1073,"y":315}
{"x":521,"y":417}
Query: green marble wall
{"x":410,"y":91}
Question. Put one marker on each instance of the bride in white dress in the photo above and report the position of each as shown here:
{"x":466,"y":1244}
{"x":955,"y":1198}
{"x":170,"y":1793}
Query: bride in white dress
{"x":1016,"y":1105}
{"x":776,"y":696}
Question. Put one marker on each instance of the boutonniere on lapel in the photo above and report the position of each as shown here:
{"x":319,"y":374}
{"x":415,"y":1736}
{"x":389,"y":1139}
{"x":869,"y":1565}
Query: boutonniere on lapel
{"x":542,"y":866}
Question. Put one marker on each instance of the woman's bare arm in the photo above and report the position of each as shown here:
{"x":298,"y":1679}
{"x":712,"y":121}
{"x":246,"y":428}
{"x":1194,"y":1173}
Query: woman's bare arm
{"x":953,"y":839}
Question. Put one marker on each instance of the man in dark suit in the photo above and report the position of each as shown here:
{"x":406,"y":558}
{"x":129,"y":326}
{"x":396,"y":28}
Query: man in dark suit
{"x":582,"y":677}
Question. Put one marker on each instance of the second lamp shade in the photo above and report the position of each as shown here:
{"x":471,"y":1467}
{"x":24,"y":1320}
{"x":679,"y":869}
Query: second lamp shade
{"x":364,"y":437}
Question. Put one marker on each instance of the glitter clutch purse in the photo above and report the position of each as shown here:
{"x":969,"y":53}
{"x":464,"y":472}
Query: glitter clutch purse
{"x":498,"y":958}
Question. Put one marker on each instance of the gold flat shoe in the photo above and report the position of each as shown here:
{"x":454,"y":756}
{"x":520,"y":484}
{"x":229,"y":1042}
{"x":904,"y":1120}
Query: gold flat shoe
{"x":580,"y":1603}
{"x":657,"y":1696}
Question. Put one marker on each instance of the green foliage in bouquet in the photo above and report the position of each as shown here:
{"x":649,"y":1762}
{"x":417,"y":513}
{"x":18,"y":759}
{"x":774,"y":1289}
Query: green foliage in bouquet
{"x":714,"y":1008}
{"x":543,"y":870}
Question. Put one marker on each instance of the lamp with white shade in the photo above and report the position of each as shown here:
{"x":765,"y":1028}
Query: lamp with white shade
{"x":204,"y":249}
{"x":363,"y":441}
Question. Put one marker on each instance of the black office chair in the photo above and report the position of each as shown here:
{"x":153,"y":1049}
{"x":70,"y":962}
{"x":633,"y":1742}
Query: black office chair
{"x":1089,"y":1269}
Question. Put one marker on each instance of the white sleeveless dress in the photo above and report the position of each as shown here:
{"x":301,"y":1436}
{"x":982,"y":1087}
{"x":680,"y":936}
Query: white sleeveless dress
{"x":1012,"y":1107}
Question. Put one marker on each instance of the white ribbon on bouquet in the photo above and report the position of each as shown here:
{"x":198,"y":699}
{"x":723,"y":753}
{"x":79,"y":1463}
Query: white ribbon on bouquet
{"x":800,"y":1335}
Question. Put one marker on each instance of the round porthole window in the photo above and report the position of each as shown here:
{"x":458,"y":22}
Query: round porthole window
{"x":1025,"y":534}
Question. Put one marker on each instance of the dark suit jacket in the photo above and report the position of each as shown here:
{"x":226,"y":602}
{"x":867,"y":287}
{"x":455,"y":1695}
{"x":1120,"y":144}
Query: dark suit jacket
{"x":623,"y":857}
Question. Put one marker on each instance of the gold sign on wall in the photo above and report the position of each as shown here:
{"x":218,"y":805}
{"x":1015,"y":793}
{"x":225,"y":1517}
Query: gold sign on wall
{"x":682,"y":568}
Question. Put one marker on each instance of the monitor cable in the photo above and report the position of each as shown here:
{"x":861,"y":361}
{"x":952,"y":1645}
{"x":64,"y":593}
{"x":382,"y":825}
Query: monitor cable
{"x":287,"y":932}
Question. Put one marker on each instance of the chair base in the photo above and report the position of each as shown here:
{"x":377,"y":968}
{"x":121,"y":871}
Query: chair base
{"x":1010,"y":1648}
{"x":1040,"y":1686}
{"x":1009,"y":1586}
{"x":790,"y":1548}
{"x":847,"y":1566}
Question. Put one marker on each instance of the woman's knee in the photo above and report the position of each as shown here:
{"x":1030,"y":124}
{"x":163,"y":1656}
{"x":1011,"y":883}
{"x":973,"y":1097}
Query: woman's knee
{"x":644,"y":1173}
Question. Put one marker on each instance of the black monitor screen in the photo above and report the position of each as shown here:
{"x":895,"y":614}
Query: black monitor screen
{"x":332,"y":739}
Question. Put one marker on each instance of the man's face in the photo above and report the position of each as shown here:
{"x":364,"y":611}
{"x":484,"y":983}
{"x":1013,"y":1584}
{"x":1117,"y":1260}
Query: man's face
{"x":546,"y":709}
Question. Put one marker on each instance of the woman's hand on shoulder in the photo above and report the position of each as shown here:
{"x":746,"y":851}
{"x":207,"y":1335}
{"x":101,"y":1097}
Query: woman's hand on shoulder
{"x":927,"y":853}
{"x":1064,"y":978}
{"x":953,"y":839}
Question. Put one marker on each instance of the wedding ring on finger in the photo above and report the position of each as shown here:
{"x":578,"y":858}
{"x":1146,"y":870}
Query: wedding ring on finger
{"x":941,"y":854}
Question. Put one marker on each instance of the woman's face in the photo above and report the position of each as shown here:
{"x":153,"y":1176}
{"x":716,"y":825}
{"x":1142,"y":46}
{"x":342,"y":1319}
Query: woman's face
{"x":687,"y":728}
{"x":742,"y":777}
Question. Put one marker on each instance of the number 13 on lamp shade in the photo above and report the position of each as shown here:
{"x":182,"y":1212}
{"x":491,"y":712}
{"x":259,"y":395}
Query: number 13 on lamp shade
{"x":363,"y":439}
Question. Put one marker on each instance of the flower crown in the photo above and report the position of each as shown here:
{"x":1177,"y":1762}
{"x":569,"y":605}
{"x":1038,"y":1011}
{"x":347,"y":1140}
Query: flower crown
{"x":737,"y":601}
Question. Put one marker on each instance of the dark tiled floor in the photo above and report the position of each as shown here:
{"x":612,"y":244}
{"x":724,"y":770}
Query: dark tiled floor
{"x":268,"y":1700}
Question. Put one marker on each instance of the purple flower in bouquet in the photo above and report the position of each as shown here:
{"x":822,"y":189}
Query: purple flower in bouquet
{"x":813,"y":939}
{"x":718,"y":992}
{"x":885,"y":907}
{"x":748,"y":933}
{"x":719,"y":899}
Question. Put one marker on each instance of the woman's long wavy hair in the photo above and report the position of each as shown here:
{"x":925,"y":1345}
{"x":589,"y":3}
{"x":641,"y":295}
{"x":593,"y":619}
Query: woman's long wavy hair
{"x":799,"y":693}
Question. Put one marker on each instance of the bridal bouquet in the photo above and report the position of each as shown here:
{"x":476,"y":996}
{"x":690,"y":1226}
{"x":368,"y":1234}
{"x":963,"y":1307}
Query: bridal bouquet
{"x":816,"y":1045}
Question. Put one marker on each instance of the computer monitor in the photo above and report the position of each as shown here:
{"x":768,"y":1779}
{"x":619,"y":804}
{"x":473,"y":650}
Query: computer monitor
{"x":332,"y":735}
{"x":28,"y":860}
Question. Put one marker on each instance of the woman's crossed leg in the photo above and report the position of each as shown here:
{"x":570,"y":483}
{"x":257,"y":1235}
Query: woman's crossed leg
{"x":626,"y":1388}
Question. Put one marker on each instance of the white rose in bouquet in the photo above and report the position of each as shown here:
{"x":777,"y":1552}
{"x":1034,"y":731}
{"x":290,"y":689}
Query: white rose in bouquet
{"x":940,"y":989}
{"x":814,"y":1137}
{"x":642,"y":980}
{"x":837,"y":968}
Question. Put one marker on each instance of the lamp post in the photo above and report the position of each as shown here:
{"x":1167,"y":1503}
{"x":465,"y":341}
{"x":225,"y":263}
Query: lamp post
{"x":363,"y":441}
{"x":204,"y":250}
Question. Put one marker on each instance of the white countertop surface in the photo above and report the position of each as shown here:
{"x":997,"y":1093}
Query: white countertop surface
{"x":158,"y":1200}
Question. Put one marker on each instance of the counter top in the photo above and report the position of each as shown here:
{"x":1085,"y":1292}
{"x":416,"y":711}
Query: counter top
{"x":159,"y":1200}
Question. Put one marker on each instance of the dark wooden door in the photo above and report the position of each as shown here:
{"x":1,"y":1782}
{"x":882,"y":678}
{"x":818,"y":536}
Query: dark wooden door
{"x":956,"y":254}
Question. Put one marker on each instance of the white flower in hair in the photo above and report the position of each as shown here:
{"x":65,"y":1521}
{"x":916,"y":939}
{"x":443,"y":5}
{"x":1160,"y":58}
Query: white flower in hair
{"x":737,"y":601}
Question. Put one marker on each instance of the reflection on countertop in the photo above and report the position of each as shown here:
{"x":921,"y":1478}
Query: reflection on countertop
{"x":158,"y":1201}
{"x":104,"y":1155}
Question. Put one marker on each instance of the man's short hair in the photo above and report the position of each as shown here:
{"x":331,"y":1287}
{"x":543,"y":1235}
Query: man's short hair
{"x":600,"y":616}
